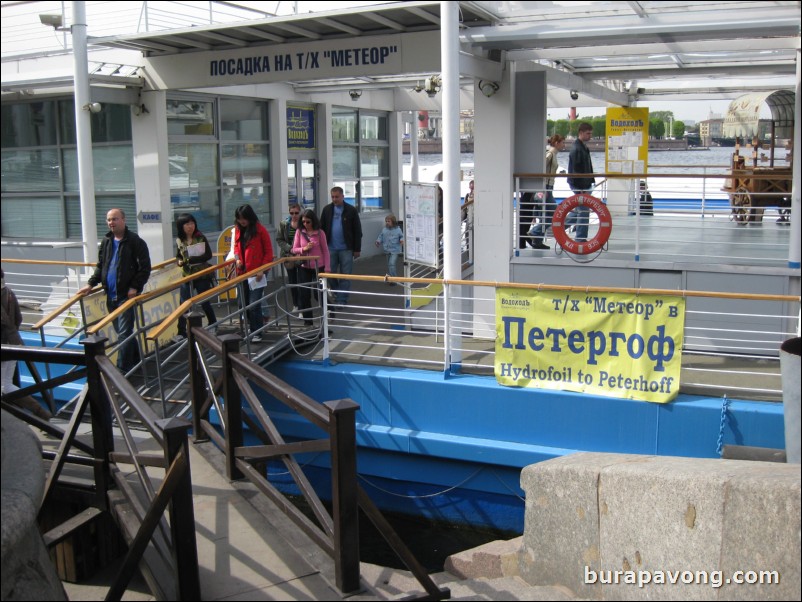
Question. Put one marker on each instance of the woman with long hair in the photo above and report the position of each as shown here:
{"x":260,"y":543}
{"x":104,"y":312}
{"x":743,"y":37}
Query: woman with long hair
{"x":252,"y":248}
{"x":546,"y":211}
{"x":285,"y":239}
{"x":193,"y":253}
{"x":310,"y":240}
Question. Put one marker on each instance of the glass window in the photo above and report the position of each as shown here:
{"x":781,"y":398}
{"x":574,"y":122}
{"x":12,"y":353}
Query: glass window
{"x":31,"y":170}
{"x":111,"y":124}
{"x":343,"y":125}
{"x":242,"y":119}
{"x":29,"y":124}
{"x":346,"y":162}
{"x":113,"y":168}
{"x":375,"y":161}
{"x":190,"y":117}
{"x":33,"y":217}
{"x":374,"y":194}
{"x":103,"y":204}
{"x":373,"y":127}
{"x":362,"y":166}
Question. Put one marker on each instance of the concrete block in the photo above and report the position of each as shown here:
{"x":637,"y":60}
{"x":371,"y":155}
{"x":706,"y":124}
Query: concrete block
{"x":761,"y":533}
{"x":617,"y":527}
{"x":492,"y":560}
{"x":561,"y":532}
{"x":659,"y":515}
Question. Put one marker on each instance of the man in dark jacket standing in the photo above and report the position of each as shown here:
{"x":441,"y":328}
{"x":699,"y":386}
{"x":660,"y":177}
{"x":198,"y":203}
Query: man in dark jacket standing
{"x":579,"y":162}
{"x":123,"y":268}
{"x":340,"y":222}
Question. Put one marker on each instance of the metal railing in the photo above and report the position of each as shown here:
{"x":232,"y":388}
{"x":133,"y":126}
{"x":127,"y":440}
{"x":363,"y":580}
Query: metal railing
{"x":225,"y":380}
{"x":166,"y":551}
{"x":692,"y":217}
{"x":731,"y":341}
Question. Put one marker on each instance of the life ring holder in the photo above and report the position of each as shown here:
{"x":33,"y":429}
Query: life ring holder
{"x":595,"y":244}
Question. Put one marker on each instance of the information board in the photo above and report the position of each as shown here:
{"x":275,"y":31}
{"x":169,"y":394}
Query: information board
{"x":421,"y":217}
{"x":627,"y":140}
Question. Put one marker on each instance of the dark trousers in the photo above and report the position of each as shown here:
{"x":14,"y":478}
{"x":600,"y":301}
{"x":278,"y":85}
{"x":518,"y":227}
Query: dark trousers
{"x":201,"y":285}
{"x":128,"y":353}
{"x":526,"y":213}
{"x":308,"y":281}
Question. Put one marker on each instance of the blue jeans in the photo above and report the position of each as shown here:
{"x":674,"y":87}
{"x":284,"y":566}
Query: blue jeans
{"x":544,"y":213}
{"x":581,"y":217}
{"x":128,"y":353}
{"x":342,"y":262}
{"x":392,"y":259}
{"x":255,"y":319}
{"x":201,"y":285}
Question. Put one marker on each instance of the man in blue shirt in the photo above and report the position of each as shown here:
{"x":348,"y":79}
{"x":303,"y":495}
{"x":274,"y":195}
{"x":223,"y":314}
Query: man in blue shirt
{"x":340,"y":222}
{"x":123,"y":268}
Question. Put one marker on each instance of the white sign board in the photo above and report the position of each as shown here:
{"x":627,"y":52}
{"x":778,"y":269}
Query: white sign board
{"x":421,"y":217}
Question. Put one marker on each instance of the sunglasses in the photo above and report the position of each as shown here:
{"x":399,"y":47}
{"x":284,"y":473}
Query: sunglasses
{"x":295,"y":212}
{"x":307,"y":221}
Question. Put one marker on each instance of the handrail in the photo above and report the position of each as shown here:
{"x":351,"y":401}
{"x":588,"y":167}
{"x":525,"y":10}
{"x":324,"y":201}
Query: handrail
{"x":144,"y":297}
{"x":564,"y":287}
{"x":633,"y":176}
{"x":336,"y":534}
{"x":177,"y":547}
{"x":162,"y":326}
{"x":79,"y":264}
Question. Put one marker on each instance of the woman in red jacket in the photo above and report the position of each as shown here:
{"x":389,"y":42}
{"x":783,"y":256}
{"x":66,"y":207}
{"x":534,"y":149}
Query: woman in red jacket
{"x":252,"y":248}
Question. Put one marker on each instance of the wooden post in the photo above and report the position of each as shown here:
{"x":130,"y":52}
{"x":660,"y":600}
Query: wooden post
{"x":345,"y":506}
{"x":100,"y":409}
{"x":197,"y":380}
{"x":182,"y":515}
{"x":232,"y":401}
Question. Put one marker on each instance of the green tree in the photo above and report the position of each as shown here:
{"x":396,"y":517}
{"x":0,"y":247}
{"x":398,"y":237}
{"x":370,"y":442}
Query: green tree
{"x":661,"y":115}
{"x":599,"y":126}
{"x":657,"y":128}
{"x":678,"y":130}
{"x":562,"y":127}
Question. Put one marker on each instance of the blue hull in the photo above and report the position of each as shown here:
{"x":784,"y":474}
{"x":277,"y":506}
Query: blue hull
{"x":451,"y":448}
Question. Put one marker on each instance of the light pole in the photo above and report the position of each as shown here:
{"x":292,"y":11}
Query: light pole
{"x":83,"y":124}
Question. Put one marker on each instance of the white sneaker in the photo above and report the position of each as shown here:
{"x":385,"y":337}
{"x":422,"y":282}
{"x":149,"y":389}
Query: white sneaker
{"x":178,"y":338}
{"x":294,"y":309}
{"x":256,"y":339}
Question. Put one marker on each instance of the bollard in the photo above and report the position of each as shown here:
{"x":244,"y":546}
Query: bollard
{"x":790,"y":354}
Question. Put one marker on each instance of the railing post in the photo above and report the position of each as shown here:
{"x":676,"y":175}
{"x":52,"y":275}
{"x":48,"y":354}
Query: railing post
{"x":100,"y":411}
{"x":182,"y":515}
{"x":345,"y":506}
{"x":197,"y":380}
{"x":232,"y":406}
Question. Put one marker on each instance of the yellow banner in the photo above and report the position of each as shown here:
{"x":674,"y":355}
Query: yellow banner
{"x":224,"y":242}
{"x":627,"y":148}
{"x":152,"y":311}
{"x":612,"y":344}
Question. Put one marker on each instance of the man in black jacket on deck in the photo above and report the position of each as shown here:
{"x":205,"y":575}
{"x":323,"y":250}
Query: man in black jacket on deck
{"x":340,"y":222}
{"x":123,"y":268}
{"x":579,"y":162}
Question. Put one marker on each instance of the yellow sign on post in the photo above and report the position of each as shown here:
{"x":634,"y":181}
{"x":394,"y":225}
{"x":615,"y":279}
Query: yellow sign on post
{"x":627,"y":140}
{"x":611,"y":344}
{"x":224,"y":242}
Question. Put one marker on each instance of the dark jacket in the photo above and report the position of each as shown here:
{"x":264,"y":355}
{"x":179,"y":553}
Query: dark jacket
{"x":193,"y":264}
{"x":352,"y":227}
{"x":11,"y":317}
{"x":579,"y":162}
{"x":133,"y":269}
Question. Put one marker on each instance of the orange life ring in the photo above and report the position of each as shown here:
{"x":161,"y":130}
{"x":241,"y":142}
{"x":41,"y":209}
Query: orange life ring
{"x":568,"y":243}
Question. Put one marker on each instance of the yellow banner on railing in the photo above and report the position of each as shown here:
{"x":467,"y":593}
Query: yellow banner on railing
{"x":613,"y":344}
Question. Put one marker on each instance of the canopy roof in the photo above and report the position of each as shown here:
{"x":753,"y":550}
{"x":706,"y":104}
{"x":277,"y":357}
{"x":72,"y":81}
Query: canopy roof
{"x":743,"y":114}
